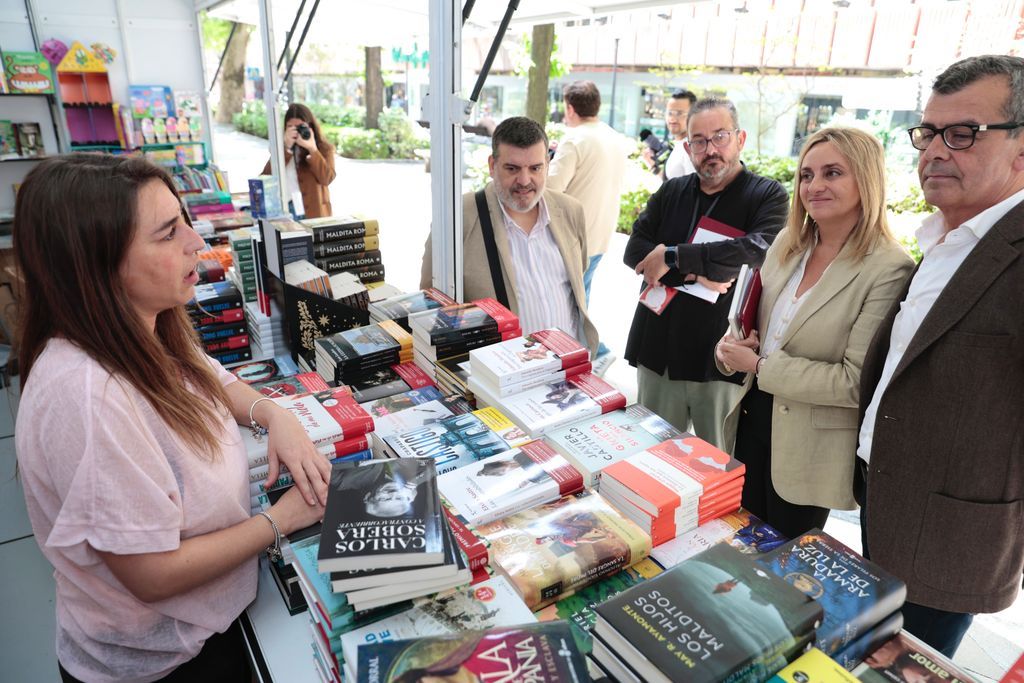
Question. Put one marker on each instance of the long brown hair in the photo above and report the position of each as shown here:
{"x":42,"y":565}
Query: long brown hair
{"x":73,"y":223}
{"x":301,"y":111}
{"x":867,"y":164}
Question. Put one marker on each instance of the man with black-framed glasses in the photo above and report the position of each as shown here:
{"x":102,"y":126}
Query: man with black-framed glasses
{"x":940,"y":472}
{"x":673,"y":350}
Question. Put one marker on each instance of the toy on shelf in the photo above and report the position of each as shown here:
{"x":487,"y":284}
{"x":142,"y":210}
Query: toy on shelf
{"x":88,"y":105}
{"x":27,"y":73}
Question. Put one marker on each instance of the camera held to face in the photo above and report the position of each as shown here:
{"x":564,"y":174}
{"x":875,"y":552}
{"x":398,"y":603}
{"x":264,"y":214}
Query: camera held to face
{"x":303,"y":130}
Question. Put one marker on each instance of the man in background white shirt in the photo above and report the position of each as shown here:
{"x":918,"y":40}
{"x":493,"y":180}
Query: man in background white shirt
{"x":940,"y":472}
{"x":677,"y":111}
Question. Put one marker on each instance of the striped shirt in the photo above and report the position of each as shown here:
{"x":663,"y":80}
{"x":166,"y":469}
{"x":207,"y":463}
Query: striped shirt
{"x":542,"y":286}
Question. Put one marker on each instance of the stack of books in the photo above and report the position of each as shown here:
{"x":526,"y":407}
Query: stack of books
{"x":459,"y":328}
{"x":243,"y":268}
{"x":386,"y":381}
{"x":278,"y":377}
{"x":513,"y":366}
{"x":715,"y":617}
{"x":352,"y":353}
{"x":406,"y":420}
{"x":388,"y":540}
{"x":509,"y":482}
{"x":530,"y":653}
{"x":741,"y":529}
{"x":347,"y":244}
{"x":672,"y":487}
{"x":455,"y":441}
{"x":555,"y":404}
{"x":400,"y":307}
{"x":594,"y":443}
{"x":552,"y":550}
{"x":492,"y":603}
{"x":266,"y":332}
{"x":861,"y":600}
{"x":334,"y":422}
{"x":348,"y":289}
{"x":452,"y":375}
{"x":216,"y":313}
{"x":305,"y":275}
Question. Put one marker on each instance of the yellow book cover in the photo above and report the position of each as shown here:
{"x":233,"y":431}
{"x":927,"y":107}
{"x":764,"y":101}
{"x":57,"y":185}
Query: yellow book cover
{"x":502,"y":426}
{"x":403,"y":338}
{"x":814,"y":666}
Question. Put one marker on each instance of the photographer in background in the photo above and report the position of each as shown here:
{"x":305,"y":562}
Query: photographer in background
{"x":677,"y":163}
{"x":309,"y":162}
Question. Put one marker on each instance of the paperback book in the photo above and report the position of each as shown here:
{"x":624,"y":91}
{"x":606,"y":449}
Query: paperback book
{"x":552,"y":550}
{"x":509,"y":482}
{"x":382,"y":513}
{"x":486,"y":605}
{"x":389,"y":405}
{"x":538,"y":653}
{"x":855,"y":593}
{"x":594,"y":443}
{"x":715,"y":617}
{"x":814,"y":666}
{"x":905,"y":659}
{"x":458,"y":440}
{"x":328,"y":416}
{"x":742,"y":530}
{"x":556,"y":404}
{"x":399,"y":308}
{"x":387,"y":381}
{"x":352,"y":352}
{"x":332,"y":228}
{"x":453,"y":323}
{"x":519,"y":360}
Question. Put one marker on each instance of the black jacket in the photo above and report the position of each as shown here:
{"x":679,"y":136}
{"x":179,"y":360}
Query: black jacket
{"x":683,"y":337}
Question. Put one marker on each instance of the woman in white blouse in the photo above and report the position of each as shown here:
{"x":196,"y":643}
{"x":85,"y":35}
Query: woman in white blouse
{"x":828,"y":279}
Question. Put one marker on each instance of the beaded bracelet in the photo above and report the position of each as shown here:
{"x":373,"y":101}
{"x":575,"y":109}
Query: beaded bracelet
{"x":258,"y":430}
{"x":273,"y":551}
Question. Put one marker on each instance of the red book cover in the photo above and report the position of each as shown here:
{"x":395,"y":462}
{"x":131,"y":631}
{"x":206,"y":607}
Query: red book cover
{"x":413,"y":375}
{"x":1016,"y":672}
{"x":505,"y":318}
{"x":704,"y":463}
{"x":350,"y":446}
{"x":229,"y":316}
{"x":328,"y":416}
{"x":719,"y":227}
{"x":581,"y":369}
{"x":567,"y":477}
{"x":237,"y":342}
{"x":748,"y":309}
{"x":606,"y":396}
{"x":472,"y":546}
{"x":567,"y":348}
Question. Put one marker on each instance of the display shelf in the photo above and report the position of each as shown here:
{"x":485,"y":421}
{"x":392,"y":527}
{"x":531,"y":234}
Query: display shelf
{"x":13,"y":159}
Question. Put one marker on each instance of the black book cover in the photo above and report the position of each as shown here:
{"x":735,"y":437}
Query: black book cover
{"x":452,"y":324}
{"x":325,"y":250}
{"x":368,"y":273}
{"x":357,"y":260}
{"x":211,"y":333}
{"x":215,"y":296}
{"x":382,"y":513}
{"x":330,"y":229}
{"x":235,"y":356}
{"x":709,"y":618}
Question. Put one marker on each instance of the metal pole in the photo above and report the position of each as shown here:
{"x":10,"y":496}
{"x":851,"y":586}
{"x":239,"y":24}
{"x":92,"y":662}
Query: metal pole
{"x":289,"y":34}
{"x":302,"y":39}
{"x":513,"y":5}
{"x":446,"y":146}
{"x":270,"y":99}
{"x":615,"y":74}
{"x":220,"y":63}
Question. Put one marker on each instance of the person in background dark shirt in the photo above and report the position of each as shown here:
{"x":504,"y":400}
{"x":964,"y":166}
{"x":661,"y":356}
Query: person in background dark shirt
{"x":674,"y":351}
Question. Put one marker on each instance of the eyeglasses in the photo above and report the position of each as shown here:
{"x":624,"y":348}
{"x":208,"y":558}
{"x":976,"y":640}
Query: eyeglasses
{"x":719,"y":140}
{"x":958,"y":136}
{"x":675,"y":113}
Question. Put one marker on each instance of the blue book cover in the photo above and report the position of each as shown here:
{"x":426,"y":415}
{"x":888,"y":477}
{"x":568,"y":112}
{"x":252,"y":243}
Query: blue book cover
{"x":855,"y":593}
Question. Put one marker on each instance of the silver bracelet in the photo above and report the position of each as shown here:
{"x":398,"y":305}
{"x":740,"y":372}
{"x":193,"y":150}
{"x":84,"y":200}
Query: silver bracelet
{"x":273,"y":551}
{"x":257,"y":429}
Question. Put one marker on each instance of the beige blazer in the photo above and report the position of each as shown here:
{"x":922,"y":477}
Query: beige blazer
{"x":815,"y":374}
{"x":568,"y":227}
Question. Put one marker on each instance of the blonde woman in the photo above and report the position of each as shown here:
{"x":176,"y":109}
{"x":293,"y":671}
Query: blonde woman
{"x":828,"y":279}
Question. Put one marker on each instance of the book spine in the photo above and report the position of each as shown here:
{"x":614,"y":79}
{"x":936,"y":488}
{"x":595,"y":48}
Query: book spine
{"x":359,"y":259}
{"x":237,"y":356}
{"x":475,"y":550}
{"x":347,"y":231}
{"x":237,"y":342}
{"x":339,"y":247}
{"x":226,"y":316}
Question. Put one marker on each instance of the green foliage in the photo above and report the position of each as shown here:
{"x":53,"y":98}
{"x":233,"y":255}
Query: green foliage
{"x":215,"y":32}
{"x":909,"y":242}
{"x":910,"y":201}
{"x":252,"y":119}
{"x":357,"y":143}
{"x":782,"y":169}
{"x":631,"y":204}
{"x":401,"y":138}
{"x":334,"y":115}
{"x":522,"y":62}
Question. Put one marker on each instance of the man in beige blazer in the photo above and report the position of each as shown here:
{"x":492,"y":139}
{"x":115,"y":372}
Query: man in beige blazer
{"x":540,"y":236}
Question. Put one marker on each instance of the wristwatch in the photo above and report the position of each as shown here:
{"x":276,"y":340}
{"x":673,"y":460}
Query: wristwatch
{"x":672,"y":257}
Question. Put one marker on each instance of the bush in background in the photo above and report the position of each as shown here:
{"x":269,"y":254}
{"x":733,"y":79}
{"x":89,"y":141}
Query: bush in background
{"x":357,"y":143}
{"x":631,"y":204}
{"x":252,"y":119}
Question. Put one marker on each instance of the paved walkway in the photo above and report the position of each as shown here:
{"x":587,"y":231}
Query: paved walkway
{"x":398,"y":195}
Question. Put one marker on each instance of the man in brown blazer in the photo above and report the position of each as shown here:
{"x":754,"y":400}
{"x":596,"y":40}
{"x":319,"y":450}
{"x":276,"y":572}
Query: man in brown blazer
{"x":540,"y":238}
{"x":941,"y":476}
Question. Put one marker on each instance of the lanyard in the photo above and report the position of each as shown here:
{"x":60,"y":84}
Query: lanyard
{"x":696,"y":210}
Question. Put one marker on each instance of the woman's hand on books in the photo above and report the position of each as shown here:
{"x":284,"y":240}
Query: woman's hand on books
{"x":289,"y":445}
{"x":292,"y":512}
{"x":739,"y":354}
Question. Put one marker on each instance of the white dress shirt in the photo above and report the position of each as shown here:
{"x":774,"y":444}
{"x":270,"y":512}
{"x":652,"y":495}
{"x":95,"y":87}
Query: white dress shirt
{"x":941,"y":260}
{"x":542,"y":285}
{"x":678,"y":162}
{"x":786,"y":307}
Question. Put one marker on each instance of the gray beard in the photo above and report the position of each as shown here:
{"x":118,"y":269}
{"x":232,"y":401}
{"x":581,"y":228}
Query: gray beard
{"x":509,"y":201}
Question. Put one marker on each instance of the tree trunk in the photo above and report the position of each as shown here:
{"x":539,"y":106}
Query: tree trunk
{"x":374,"y":91}
{"x":537,"y":87}
{"x":232,"y":75}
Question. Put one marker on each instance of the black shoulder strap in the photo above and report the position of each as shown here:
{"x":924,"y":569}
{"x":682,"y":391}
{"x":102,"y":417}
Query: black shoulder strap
{"x":492,"y":248}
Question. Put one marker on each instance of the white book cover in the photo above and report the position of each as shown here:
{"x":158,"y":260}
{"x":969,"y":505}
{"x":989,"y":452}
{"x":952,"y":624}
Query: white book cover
{"x":680,"y":491}
{"x":410,"y":418}
{"x":492,"y":603}
{"x":517,"y":360}
{"x":509,"y":482}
